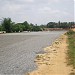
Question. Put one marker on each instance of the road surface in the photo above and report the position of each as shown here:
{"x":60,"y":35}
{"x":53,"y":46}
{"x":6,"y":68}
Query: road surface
{"x":18,"y":50}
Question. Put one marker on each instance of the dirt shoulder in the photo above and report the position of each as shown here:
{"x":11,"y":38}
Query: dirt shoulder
{"x":53,"y":62}
{"x":73,"y":29}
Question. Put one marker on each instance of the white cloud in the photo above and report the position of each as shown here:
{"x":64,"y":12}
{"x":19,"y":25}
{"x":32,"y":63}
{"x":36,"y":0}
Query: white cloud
{"x":26,"y":0}
{"x":37,"y":11}
{"x":11,"y":8}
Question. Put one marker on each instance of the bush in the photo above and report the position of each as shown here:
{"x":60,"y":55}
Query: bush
{"x":70,"y":32}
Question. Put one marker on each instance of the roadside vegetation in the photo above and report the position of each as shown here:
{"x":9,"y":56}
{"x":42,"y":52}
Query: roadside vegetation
{"x":9,"y":26}
{"x":71,"y":47}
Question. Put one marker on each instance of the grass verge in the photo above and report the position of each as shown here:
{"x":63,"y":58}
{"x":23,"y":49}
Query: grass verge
{"x":71,"y":47}
{"x":71,"y":51}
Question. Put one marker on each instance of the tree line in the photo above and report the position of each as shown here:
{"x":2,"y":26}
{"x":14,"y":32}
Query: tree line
{"x":9,"y":26}
{"x":63,"y":25}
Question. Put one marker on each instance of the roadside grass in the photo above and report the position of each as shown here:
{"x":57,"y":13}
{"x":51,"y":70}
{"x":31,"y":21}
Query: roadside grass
{"x":72,"y":73}
{"x":71,"y":48}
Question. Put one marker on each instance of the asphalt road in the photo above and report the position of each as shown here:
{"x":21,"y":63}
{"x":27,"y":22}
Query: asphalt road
{"x":18,"y":50}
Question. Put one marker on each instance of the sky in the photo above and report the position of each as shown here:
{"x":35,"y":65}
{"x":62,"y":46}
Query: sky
{"x":37,"y":11}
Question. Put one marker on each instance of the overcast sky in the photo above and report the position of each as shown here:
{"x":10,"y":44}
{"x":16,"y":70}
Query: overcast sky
{"x":37,"y":11}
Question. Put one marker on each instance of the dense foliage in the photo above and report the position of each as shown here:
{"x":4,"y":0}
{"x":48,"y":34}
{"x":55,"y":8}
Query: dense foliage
{"x":9,"y":26}
{"x":60,"y":24}
{"x":1,"y":28}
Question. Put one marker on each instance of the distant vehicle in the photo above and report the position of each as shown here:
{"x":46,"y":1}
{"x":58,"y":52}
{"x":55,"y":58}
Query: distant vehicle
{"x":1,"y":32}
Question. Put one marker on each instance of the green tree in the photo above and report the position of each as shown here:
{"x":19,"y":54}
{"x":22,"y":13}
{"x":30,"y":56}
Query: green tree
{"x":51,"y":25}
{"x":64,"y":25}
{"x":27,"y":26}
{"x":36,"y":28}
{"x":31,"y":27}
{"x":7,"y":24}
{"x":1,"y":28}
{"x":17,"y":28}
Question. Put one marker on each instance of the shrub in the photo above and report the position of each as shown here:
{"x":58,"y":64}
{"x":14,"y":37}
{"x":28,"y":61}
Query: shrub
{"x":70,"y":32}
